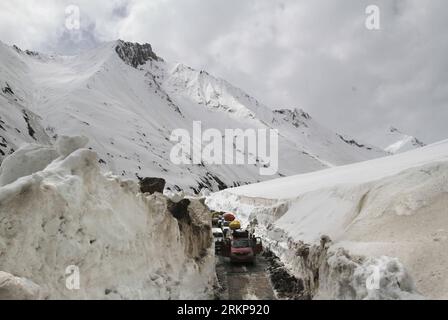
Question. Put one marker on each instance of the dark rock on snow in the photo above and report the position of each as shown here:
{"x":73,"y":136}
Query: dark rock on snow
{"x":151,"y":185}
{"x":135,"y":54}
{"x":179,"y":209}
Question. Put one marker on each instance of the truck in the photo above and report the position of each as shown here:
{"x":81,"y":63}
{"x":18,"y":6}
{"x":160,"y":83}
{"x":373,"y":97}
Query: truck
{"x":219,"y":238}
{"x":242,"y":247}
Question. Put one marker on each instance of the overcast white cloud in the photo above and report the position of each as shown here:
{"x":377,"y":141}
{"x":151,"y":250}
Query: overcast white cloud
{"x":294,"y":53}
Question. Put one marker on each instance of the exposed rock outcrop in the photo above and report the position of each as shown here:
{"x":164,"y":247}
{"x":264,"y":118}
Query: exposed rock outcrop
{"x":135,"y":54}
{"x":179,"y":209}
{"x":151,"y":185}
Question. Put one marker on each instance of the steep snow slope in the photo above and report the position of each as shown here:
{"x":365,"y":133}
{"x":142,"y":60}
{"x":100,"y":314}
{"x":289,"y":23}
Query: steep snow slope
{"x":127,"y":245}
{"x":128,"y":100}
{"x":18,"y":123}
{"x":393,"y":206}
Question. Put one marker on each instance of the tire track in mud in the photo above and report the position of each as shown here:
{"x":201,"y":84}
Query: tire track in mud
{"x":266,"y":279}
{"x":244,"y":281}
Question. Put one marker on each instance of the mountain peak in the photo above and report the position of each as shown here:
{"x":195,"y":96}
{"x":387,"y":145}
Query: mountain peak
{"x":135,"y":54}
{"x":400,"y":142}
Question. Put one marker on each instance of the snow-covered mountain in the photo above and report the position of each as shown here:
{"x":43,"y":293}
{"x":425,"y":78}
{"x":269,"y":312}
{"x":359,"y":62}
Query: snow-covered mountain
{"x":382,"y":219}
{"x":127,"y":101}
{"x":395,"y":141}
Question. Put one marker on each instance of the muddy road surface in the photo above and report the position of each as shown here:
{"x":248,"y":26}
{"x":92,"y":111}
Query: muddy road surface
{"x":244,"y":281}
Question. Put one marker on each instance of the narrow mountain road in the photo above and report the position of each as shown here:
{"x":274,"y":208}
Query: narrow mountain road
{"x":244,"y":281}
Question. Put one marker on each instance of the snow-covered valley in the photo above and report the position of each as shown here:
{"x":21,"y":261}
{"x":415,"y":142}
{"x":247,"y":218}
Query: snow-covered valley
{"x":67,"y":200}
{"x":76,"y":134}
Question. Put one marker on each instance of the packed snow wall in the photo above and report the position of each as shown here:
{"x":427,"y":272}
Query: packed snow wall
{"x":326,"y":270}
{"x":383,"y":237}
{"x":69,"y":217}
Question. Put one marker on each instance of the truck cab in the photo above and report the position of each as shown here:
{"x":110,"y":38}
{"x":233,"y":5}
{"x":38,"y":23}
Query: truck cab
{"x":219,"y":240}
{"x":242,"y":250}
{"x":242,"y":247}
{"x":218,"y":234}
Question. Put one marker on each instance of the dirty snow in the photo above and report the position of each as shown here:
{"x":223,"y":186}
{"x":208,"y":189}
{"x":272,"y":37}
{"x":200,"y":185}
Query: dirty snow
{"x":126,"y":244}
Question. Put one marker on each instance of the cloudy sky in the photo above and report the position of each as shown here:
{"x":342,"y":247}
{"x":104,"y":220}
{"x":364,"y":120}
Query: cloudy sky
{"x":313,"y":54}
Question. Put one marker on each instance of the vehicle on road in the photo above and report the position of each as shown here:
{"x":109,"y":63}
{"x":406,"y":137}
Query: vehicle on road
{"x":229,"y":216}
{"x":235,"y":225}
{"x":241,"y":250}
{"x":218,"y":234}
{"x":226,"y":231}
{"x":242,"y":247}
{"x":219,"y":240}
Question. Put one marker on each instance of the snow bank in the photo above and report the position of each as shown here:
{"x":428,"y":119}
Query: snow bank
{"x":372,"y":211}
{"x":126,"y":245}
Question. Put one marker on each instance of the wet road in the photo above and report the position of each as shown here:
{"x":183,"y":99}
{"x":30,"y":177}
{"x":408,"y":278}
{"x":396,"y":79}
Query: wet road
{"x":244,"y":281}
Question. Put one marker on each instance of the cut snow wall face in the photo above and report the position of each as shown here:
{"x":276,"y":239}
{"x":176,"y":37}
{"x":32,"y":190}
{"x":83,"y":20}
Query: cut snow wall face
{"x":334,"y":273}
{"x":125,"y":245}
{"x":399,"y":216}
